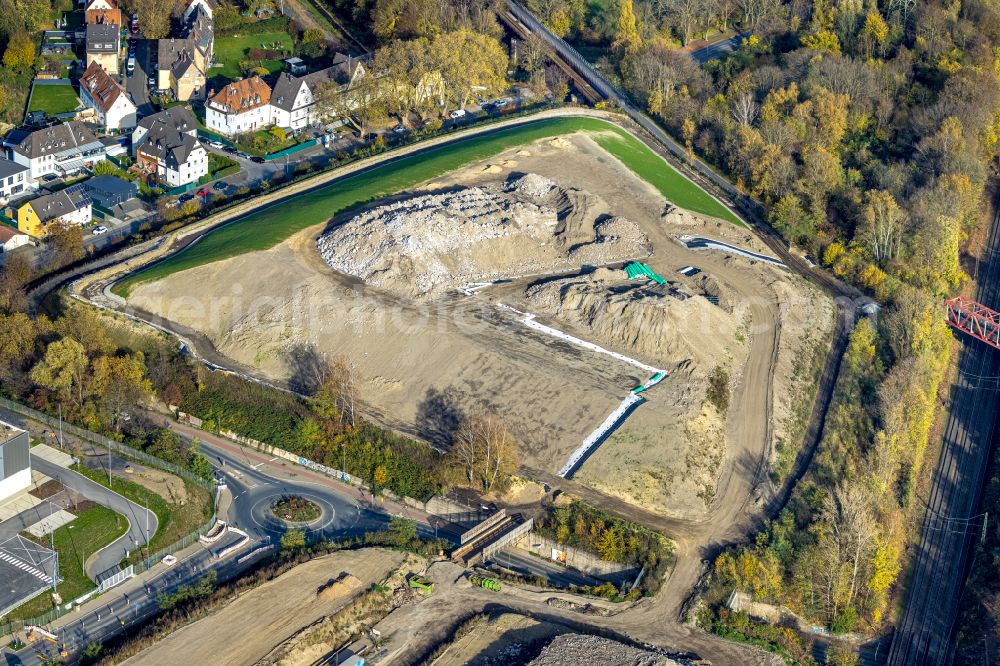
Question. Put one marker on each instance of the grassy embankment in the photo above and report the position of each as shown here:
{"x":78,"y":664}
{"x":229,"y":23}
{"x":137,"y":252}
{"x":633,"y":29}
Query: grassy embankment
{"x":268,"y":227}
{"x":174,"y":521}
{"x":93,"y":529}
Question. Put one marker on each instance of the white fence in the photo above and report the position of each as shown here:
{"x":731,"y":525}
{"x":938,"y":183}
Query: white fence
{"x":116,"y":579}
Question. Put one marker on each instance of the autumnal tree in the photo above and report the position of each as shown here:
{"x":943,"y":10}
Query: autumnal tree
{"x":66,"y":242}
{"x":882,"y":225}
{"x":485,"y":451}
{"x":15,"y":273}
{"x":875,"y":34}
{"x":154,"y":17}
{"x":63,"y":369}
{"x":627,"y":35}
{"x":20,"y":52}
{"x":120,"y":384}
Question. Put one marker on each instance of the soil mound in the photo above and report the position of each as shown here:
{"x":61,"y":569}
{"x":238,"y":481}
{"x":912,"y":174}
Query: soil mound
{"x":661,"y":323}
{"x":525,"y":225}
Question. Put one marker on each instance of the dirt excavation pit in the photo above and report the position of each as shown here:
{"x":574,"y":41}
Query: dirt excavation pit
{"x":545,"y":233}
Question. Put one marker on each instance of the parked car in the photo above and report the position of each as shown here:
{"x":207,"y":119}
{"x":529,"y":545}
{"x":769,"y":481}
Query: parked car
{"x":218,"y":145}
{"x":230,"y":149}
{"x":501,"y":103}
{"x":100,"y":229}
{"x":457,"y":113}
{"x":152,"y":82}
{"x":242,"y":154}
{"x":221,"y":185}
{"x":399,"y":129}
{"x":257,"y":158}
{"x":169,"y":560}
{"x":186,"y":197}
{"x":204,"y":192}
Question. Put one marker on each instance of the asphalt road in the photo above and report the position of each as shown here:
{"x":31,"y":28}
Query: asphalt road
{"x":255,"y":482}
{"x":139,"y":519}
{"x":136,"y":84}
{"x":518,"y":560}
{"x":951,"y":526}
{"x":718,"y":49}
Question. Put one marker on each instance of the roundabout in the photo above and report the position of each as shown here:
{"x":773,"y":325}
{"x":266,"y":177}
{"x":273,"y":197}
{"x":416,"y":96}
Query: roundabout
{"x":310,"y":510}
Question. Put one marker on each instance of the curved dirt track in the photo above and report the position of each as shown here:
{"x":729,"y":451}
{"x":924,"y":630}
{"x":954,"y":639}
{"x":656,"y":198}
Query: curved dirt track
{"x":734,"y":510}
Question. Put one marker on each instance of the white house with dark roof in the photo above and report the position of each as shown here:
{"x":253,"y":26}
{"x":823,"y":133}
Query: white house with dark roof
{"x":293,"y":102}
{"x":60,"y":149}
{"x":14,"y":179}
{"x":111,"y":104}
{"x":166,"y":144}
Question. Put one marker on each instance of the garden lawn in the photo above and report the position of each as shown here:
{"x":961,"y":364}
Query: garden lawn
{"x":53,"y":99}
{"x":272,"y":224}
{"x":231,"y":49}
{"x":93,"y":529}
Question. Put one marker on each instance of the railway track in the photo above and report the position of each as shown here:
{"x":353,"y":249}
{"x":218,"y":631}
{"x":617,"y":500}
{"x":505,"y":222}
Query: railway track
{"x":951,"y":526}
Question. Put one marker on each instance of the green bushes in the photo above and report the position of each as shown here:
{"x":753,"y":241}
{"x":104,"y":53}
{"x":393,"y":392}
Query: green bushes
{"x":617,"y":540}
{"x":381,"y":458}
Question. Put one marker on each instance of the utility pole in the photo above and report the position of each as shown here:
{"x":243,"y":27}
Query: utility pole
{"x":61,"y":445}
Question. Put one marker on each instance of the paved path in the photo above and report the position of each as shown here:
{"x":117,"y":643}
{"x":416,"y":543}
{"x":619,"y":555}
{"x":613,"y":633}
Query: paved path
{"x":140,"y":520}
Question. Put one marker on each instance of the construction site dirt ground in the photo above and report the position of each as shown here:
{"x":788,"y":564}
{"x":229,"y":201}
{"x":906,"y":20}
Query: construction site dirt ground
{"x":248,"y":627}
{"x":425,"y":361}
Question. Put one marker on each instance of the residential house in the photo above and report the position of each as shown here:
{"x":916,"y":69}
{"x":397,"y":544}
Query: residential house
{"x":293,"y":100}
{"x":110,"y":102}
{"x":241,"y":106}
{"x":60,"y":149}
{"x":166,"y":145}
{"x":70,"y":206}
{"x":178,"y":69}
{"x":103,"y":46}
{"x":11,"y":238}
{"x":110,"y":191}
{"x":14,"y":179}
{"x":103,"y":11}
{"x":198,"y":28}
{"x":192,"y":6}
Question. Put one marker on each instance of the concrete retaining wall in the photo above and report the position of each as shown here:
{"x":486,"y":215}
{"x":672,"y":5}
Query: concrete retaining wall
{"x":581,"y":560}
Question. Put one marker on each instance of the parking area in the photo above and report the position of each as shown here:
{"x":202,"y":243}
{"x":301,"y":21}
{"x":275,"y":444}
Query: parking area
{"x":26,"y":570}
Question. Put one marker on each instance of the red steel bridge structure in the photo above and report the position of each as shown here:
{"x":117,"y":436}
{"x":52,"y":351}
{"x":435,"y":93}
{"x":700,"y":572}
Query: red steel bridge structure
{"x":977,"y":320}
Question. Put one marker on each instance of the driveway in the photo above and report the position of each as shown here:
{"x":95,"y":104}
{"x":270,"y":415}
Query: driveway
{"x":140,"y":521}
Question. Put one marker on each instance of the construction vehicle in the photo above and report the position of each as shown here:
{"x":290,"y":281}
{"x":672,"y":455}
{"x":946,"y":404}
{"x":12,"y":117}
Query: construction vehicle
{"x":425,"y":586}
{"x":486,"y":583}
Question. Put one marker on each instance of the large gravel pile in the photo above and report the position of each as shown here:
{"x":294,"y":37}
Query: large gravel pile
{"x":576,"y":649}
{"x":525,"y":226}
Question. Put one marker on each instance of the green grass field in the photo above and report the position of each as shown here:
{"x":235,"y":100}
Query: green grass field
{"x":54,"y":99}
{"x":231,"y":49}
{"x":273,"y":224}
{"x":93,"y":529}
